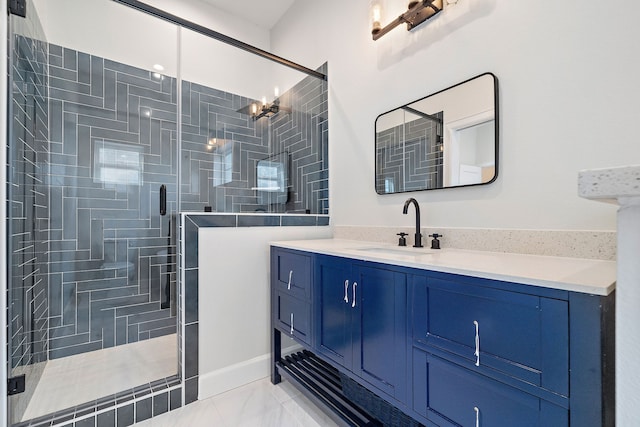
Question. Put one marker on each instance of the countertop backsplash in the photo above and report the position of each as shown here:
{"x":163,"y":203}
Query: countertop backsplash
{"x":564,"y":243}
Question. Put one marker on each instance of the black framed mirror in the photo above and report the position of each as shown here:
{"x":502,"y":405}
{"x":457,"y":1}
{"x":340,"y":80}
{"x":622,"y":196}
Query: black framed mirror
{"x":444,"y":140}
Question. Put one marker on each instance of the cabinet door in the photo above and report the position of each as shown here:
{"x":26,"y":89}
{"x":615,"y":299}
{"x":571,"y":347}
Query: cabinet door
{"x":496,"y":331}
{"x":291,"y":272}
{"x":293,"y":317}
{"x":332,"y":309}
{"x":379,"y":330}
{"x":453,"y":396}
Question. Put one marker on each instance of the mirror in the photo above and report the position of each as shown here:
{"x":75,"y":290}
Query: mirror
{"x":447,"y":139}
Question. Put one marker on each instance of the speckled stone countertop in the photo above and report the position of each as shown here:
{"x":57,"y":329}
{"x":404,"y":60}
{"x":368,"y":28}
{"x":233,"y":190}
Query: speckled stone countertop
{"x":571,"y":274}
{"x":609,"y":184}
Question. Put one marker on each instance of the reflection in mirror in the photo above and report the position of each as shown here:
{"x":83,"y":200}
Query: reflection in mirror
{"x":272,"y":177}
{"x":447,"y":139}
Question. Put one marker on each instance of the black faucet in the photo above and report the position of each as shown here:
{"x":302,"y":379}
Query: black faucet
{"x":418,"y":236}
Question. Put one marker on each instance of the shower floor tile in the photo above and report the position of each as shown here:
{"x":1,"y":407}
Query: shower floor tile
{"x":74,"y":380}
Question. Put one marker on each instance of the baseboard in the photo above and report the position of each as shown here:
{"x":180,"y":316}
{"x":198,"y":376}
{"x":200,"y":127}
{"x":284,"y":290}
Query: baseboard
{"x":213,"y":383}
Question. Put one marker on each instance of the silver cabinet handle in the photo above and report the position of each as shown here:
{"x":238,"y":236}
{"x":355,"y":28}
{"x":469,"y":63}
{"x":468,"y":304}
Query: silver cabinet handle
{"x":475,"y":408}
{"x":291,"y":323}
{"x":346,"y":291}
{"x":290,"y":276}
{"x":353,"y":300}
{"x":477,"y":352}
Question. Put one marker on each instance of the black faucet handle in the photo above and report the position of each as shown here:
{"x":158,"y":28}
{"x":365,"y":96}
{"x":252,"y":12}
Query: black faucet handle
{"x":402,"y":241}
{"x":435,"y":243}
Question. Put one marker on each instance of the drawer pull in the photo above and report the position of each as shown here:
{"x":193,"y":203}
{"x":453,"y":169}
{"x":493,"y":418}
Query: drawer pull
{"x":477,"y":352}
{"x":353,"y":301}
{"x":475,"y":408}
{"x":346,"y":291}
{"x":290,"y":277}
{"x":291,"y":323}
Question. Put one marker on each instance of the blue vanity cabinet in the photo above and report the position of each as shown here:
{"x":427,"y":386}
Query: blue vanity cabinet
{"x":446,"y":349}
{"x":361,"y":321}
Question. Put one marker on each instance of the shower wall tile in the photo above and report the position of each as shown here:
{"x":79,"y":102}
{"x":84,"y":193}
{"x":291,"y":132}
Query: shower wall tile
{"x":175,"y":399}
{"x":191,"y":354}
{"x":211,"y":113}
{"x":87,"y":422}
{"x":144,"y":409}
{"x":191,"y":390}
{"x":408,"y":157}
{"x":191,"y":289}
{"x":124,"y":416}
{"x":105,"y":236}
{"x":293,"y":221}
{"x":260,"y":221}
{"x":106,"y":419}
{"x":160,"y":404}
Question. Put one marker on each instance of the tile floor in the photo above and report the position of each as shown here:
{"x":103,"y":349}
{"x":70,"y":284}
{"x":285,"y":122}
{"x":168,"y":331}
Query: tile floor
{"x":258,"y":404}
{"x":73,"y":380}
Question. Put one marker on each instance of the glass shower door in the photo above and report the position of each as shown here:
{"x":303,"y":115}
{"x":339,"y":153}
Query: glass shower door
{"x":27,"y":211}
{"x":92,"y":249}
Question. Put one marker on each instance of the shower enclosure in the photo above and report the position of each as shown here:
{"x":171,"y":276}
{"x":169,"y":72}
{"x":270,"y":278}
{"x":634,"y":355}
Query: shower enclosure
{"x":112,"y":132}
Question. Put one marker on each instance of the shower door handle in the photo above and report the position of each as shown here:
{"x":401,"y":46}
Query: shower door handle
{"x":163,"y":200}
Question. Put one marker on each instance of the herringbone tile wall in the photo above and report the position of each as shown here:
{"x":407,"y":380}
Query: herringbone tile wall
{"x":112,"y":144}
{"x":408,"y":157}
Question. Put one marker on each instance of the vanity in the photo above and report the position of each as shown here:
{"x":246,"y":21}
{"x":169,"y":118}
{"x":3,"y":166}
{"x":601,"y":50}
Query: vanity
{"x":445,"y":337}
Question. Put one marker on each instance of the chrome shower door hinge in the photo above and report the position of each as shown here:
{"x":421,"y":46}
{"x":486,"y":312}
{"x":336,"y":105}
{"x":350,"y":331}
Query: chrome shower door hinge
{"x":16,"y":385}
{"x":17,"y":7}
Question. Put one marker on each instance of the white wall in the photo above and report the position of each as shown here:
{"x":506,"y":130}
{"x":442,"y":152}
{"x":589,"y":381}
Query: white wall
{"x":110,"y":30}
{"x":234,"y":300}
{"x":117,"y":32}
{"x":460,"y":102}
{"x":568,"y":101}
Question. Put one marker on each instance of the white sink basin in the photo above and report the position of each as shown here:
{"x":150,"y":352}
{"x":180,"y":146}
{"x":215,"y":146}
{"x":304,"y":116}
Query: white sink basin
{"x":393,"y":251}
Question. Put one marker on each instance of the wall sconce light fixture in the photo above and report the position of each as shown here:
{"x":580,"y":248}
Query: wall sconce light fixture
{"x":417,"y":12}
{"x":258,"y":110}
{"x":265,"y":110}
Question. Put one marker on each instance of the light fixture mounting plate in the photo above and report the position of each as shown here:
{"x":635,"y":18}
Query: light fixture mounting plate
{"x":414,"y":16}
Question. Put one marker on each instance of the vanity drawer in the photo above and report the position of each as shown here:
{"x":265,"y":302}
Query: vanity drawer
{"x":292,"y":273}
{"x":293,"y":316}
{"x":518,"y":335}
{"x":455,"y":396}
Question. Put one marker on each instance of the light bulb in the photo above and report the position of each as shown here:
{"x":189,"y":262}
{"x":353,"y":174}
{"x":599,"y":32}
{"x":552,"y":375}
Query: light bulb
{"x":264,"y":101}
{"x":376,"y":16}
{"x":276,"y":91}
{"x":254,"y":109}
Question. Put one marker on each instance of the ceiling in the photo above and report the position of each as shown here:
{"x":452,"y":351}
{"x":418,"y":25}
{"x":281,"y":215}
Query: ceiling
{"x":263,"y":13}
